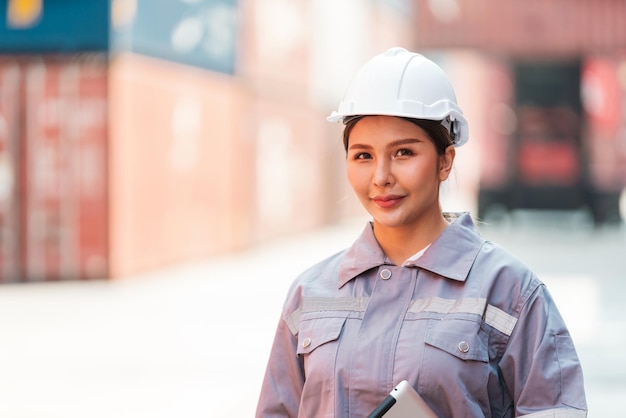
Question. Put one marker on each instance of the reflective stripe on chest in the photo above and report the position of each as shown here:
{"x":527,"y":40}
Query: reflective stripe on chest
{"x":491,"y":315}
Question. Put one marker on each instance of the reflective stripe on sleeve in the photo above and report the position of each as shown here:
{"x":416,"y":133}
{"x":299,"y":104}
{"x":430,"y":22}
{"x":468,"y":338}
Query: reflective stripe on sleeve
{"x":293,"y":321}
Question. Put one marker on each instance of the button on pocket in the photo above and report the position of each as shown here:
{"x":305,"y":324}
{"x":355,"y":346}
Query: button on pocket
{"x":316,"y":332}
{"x":461,"y":338}
{"x":456,"y":351}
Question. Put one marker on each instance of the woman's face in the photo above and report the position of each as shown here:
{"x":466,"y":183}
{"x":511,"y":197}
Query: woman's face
{"x":394,"y":169}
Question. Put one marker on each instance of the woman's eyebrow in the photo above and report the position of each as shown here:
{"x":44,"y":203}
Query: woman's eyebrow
{"x":392,"y":144}
{"x":360,"y":146}
{"x":404,"y":141}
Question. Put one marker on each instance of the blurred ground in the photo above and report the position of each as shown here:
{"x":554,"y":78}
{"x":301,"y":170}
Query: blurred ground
{"x":192,"y":341}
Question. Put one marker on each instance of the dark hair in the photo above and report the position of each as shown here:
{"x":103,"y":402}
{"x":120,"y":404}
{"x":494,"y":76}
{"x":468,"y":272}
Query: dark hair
{"x":437,"y":133}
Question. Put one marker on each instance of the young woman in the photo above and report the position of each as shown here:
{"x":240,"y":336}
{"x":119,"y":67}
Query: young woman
{"x":419,"y":296}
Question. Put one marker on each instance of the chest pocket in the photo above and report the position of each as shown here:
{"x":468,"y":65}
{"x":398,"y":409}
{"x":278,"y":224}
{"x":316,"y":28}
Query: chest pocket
{"x":456,"y":361}
{"x":464,"y":339}
{"x":317,"y":332}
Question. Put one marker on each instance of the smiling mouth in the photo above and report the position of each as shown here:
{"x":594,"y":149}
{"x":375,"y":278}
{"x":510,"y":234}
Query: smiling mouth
{"x":387,"y":201}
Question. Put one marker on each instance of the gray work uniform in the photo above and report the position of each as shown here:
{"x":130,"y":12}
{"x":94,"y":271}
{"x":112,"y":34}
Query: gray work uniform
{"x":470,"y":327}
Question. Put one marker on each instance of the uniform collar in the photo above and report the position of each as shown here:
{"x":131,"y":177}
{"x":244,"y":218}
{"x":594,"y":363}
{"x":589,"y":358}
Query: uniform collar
{"x":451,"y":255}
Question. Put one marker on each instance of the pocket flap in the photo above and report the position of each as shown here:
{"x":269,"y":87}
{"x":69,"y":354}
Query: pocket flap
{"x":461,"y":338}
{"x":315,"y":332}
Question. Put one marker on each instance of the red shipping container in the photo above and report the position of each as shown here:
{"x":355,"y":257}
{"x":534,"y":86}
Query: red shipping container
{"x":179,"y":172}
{"x":9,"y":133}
{"x":87,"y":172}
{"x":42,"y":176}
{"x":292,"y":168}
{"x":604,"y":101}
{"x":531,"y":28}
{"x":64,"y":174}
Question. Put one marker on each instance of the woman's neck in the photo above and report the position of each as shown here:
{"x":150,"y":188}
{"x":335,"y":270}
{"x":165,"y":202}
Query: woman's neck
{"x":400,"y":243}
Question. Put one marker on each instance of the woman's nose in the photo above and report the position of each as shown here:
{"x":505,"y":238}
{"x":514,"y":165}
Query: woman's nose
{"x":382,"y":175}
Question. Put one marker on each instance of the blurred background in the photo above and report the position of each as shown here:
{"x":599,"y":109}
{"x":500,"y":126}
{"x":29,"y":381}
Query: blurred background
{"x":166,"y":170}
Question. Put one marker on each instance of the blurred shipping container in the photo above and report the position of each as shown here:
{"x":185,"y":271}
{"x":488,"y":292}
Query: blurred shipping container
{"x":549,"y":119}
{"x":522,"y":28}
{"x":10,"y":114}
{"x":180,"y":178}
{"x":291,"y":169}
{"x":603,"y":85}
{"x":200,"y":33}
{"x":54,"y":204}
{"x":45,"y":26}
{"x":112,"y":168}
{"x":546,"y":133}
{"x":69,"y":94}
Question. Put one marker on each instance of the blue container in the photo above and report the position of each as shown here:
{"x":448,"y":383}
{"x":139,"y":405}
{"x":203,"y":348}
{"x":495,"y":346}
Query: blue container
{"x":201,"y":33}
{"x":54,"y":26}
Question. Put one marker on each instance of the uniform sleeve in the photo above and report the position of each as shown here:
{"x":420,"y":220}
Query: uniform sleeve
{"x":284,"y":377}
{"x":540,"y":366}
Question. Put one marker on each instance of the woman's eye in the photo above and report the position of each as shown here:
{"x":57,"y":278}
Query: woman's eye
{"x":362,"y":156}
{"x":404,"y":152}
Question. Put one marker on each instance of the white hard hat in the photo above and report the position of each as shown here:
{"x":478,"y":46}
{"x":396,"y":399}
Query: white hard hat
{"x":405,"y":84}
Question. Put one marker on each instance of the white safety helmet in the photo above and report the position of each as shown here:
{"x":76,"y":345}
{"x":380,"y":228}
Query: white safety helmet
{"x":405,"y":84}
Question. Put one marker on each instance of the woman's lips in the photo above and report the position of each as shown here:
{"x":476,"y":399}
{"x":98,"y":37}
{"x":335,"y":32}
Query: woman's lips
{"x":387,"y":201}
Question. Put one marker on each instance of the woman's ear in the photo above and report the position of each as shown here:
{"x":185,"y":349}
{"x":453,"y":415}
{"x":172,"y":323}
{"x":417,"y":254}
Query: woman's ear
{"x":445,"y":163}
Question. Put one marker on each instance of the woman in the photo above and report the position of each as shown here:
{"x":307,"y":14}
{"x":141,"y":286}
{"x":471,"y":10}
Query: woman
{"x":419,"y":296}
